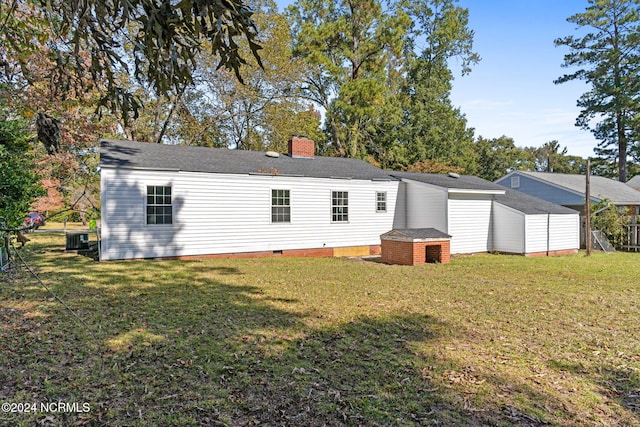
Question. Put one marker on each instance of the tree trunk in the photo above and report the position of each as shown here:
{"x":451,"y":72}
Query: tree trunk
{"x":335,"y":139}
{"x":617,"y":78}
{"x":622,"y":148}
{"x":587,"y":208}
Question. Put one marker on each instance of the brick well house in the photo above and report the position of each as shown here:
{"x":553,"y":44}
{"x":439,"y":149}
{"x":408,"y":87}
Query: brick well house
{"x":415,"y":246}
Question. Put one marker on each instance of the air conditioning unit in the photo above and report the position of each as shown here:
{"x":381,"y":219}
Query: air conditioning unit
{"x":77,"y":241}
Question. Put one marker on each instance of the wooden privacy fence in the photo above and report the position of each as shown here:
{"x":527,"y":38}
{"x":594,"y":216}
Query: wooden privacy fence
{"x":632,"y":240}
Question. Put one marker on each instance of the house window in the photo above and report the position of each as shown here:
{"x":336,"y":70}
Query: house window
{"x":280,"y":206}
{"x":159,"y":208}
{"x":381,"y":201}
{"x":515,"y":182}
{"x":339,"y":206}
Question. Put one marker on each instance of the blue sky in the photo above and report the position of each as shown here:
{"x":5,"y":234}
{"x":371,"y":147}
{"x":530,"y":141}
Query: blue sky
{"x":511,"y":91}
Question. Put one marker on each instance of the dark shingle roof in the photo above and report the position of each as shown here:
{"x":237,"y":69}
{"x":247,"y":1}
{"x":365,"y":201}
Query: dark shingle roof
{"x":601,"y":187}
{"x":418,"y":233}
{"x":462,"y":182}
{"x":128,"y":154}
{"x":530,"y":205}
{"x":514,"y":199}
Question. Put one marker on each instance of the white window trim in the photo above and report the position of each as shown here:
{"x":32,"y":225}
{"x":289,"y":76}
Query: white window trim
{"x":331,"y":207}
{"x":515,"y":181}
{"x":385,"y":202}
{"x":173,"y":210}
{"x":271,"y":221}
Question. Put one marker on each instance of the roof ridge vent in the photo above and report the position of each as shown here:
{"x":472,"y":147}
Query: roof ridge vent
{"x":454,"y":175}
{"x":273,"y":154}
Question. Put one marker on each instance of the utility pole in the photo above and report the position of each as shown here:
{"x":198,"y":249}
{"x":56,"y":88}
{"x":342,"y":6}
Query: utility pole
{"x":588,"y":208}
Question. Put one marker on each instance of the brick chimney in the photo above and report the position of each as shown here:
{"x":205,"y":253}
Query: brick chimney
{"x":301,"y":146}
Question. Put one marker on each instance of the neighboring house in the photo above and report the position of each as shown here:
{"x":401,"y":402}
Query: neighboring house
{"x":569,"y":190}
{"x":176,"y":201}
{"x":634,"y":182}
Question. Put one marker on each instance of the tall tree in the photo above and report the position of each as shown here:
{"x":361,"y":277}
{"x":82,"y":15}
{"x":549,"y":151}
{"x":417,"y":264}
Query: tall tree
{"x":550,"y":157}
{"x":436,"y":129}
{"x":385,"y":99}
{"x":608,"y":58}
{"x":18,"y":181}
{"x":263,"y":112}
{"x":349,"y":46}
{"x":499,"y":156}
{"x":66,"y":125}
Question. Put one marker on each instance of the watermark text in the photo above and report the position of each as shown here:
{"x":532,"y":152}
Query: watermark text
{"x":55,"y":407}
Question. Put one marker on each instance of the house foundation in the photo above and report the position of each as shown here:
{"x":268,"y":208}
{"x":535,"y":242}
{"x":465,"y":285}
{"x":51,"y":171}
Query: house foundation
{"x":349,"y":251}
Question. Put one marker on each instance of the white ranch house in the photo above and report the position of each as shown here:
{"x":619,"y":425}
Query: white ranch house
{"x":175,"y":201}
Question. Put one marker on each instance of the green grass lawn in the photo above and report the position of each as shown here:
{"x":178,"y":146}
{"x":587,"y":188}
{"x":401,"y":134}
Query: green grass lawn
{"x":484,"y":340}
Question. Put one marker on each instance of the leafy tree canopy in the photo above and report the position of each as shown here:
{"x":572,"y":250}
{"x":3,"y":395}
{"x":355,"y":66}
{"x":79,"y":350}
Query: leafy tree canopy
{"x":18,"y":181}
{"x":612,"y":220}
{"x":499,"y":156}
{"x":85,"y":38}
{"x":550,"y":157}
{"x":381,"y":73}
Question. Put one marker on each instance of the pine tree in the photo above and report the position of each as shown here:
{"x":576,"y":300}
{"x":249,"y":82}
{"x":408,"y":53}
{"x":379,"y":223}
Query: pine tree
{"x":608,"y":58}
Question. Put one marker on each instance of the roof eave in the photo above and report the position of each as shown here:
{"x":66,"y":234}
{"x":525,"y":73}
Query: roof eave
{"x":410,"y":239}
{"x":142,"y":168}
{"x":475,"y":191}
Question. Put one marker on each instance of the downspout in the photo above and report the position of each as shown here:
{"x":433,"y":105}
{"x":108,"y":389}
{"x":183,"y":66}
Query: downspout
{"x":103,"y":211}
{"x":524,"y":234}
{"x":548,"y":232}
{"x":405,"y":200}
{"x":446,"y":210}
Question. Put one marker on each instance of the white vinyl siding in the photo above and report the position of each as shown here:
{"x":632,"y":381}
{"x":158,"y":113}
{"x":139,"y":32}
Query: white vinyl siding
{"x":517,"y":232}
{"x":536,"y":233}
{"x":400,"y":211}
{"x":564,"y":232}
{"x":508,"y":229}
{"x":426,"y":206}
{"x":470,"y":223}
{"x":224,"y":213}
{"x":124,"y":232}
{"x":553,"y":232}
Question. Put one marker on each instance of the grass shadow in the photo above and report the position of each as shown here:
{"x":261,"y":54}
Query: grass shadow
{"x":219,"y":342}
